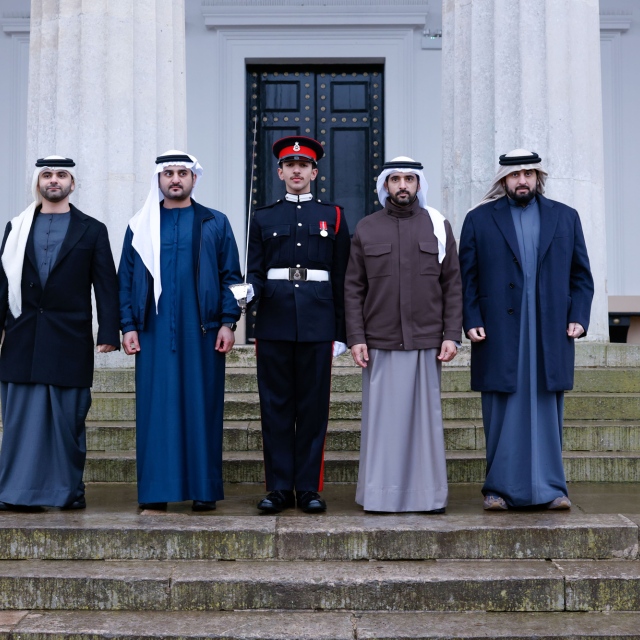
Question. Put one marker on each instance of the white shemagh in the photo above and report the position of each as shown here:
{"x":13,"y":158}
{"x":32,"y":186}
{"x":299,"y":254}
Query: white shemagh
{"x":437,"y":219}
{"x":497,"y":191}
{"x":14,"y":248}
{"x":146,"y":223}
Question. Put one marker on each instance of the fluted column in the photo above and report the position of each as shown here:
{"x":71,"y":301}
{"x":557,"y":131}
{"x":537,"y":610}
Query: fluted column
{"x":107,"y":88}
{"x":526,"y":74}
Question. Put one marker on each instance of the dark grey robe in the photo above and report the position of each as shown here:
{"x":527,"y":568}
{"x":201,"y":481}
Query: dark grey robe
{"x":43,"y":446}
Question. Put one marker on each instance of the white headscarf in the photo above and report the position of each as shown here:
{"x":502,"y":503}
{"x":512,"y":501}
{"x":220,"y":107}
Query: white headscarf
{"x":437,"y":219}
{"x":146,"y":223}
{"x":14,"y":248}
{"x":520,"y":159}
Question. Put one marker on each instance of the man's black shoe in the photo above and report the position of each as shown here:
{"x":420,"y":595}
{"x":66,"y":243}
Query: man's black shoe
{"x":153,"y":506}
{"x":311,"y":502}
{"x":277,"y":501}
{"x":436,"y":512}
{"x":203,"y":505}
{"x":80,"y":503}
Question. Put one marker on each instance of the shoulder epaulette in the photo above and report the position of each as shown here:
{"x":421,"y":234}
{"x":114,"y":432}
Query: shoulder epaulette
{"x":267,"y":206}
{"x":328,"y":204}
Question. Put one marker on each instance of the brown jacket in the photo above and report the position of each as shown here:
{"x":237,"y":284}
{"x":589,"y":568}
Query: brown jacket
{"x":397,"y":295}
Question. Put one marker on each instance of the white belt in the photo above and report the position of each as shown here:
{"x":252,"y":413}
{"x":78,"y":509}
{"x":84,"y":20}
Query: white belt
{"x":298,"y":274}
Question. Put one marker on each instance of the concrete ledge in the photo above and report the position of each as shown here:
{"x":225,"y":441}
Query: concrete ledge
{"x":606,"y":585}
{"x":129,"y":536}
{"x":342,"y":466}
{"x":435,"y":586}
{"x":290,"y":625}
{"x":32,"y":584}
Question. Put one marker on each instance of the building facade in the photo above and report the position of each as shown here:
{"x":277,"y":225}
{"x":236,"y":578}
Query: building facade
{"x":112,"y":84}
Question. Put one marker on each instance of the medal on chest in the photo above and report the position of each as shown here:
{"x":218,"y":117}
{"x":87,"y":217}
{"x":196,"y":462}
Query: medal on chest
{"x":323,"y":228}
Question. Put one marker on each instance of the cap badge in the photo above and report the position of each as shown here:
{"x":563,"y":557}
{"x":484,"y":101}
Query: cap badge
{"x":296,"y":146}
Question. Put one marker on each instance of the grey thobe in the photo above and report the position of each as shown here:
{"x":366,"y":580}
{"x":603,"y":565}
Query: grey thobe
{"x":43,"y":445}
{"x":523,"y":430}
{"x":402,"y":454}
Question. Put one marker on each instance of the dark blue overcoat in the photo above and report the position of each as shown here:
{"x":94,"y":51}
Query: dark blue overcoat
{"x":492,"y":282}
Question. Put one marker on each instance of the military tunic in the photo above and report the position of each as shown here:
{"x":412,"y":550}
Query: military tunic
{"x":296,"y":324}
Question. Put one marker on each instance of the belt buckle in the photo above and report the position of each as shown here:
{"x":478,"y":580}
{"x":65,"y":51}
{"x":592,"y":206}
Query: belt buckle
{"x":297,"y":274}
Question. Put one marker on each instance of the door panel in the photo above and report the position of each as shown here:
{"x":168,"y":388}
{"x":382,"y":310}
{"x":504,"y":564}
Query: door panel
{"x":341,"y":107}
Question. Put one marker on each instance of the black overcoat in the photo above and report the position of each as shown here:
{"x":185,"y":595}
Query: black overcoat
{"x":51,"y":342}
{"x":493,"y":281}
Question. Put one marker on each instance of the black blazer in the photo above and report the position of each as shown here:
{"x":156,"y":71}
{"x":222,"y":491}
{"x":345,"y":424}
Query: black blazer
{"x":51,"y":342}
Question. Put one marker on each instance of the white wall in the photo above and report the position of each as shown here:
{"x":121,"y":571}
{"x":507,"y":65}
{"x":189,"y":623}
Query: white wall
{"x":209,"y":69}
{"x":223,"y":186}
{"x":621,"y":112}
{"x":14,"y":68}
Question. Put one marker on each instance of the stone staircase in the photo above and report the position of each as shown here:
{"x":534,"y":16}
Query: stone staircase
{"x":111,"y":572}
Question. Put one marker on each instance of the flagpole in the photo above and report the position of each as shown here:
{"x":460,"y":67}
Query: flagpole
{"x":253,"y":164}
{"x":240,"y":290}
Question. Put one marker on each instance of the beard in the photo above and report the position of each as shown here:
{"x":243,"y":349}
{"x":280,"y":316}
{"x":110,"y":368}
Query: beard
{"x":523,"y":199}
{"x":406,"y":199}
{"x":184,"y":193}
{"x":55,"y":196}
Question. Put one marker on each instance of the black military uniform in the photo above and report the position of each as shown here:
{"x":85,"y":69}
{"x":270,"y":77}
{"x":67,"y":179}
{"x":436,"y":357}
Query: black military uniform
{"x":298,"y":253}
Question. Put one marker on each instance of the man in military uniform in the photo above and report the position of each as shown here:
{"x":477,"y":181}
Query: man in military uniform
{"x":298,"y":253}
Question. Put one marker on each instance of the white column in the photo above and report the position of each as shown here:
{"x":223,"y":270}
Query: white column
{"x":526,"y":74}
{"x":107,"y":88}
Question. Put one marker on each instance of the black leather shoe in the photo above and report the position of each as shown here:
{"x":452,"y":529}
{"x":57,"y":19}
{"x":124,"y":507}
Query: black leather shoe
{"x":436,"y":512}
{"x":153,"y":506}
{"x":80,"y":503}
{"x":277,"y":501}
{"x":203,"y":505}
{"x":311,"y":502}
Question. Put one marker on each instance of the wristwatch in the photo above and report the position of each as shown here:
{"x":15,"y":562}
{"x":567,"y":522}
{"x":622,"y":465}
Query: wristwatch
{"x":230,"y":325}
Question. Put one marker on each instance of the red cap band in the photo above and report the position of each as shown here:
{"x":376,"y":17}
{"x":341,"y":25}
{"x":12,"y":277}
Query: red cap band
{"x":300,"y":151}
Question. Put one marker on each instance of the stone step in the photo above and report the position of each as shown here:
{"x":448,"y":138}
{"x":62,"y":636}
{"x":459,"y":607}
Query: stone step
{"x":435,"y":585}
{"x":349,"y":379}
{"x":127,"y":535}
{"x":347,"y":406}
{"x":588,"y":354}
{"x":439,"y":585}
{"x":316,"y":625}
{"x":342,"y":466}
{"x":344,"y":435}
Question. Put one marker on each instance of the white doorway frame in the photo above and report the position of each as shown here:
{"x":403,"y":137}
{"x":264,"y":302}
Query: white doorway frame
{"x":310,"y":34}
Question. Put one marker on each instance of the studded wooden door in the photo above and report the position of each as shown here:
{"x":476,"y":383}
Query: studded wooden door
{"x":342,"y":108}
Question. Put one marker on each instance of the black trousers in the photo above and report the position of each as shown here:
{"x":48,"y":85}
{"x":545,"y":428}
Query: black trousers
{"x":294,"y":381}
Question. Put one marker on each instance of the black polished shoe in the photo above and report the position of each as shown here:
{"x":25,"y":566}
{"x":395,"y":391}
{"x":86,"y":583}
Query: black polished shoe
{"x":311,"y":502}
{"x":153,"y":506}
{"x":203,"y":505}
{"x":436,"y":512}
{"x":277,"y":501}
{"x":80,"y":503}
